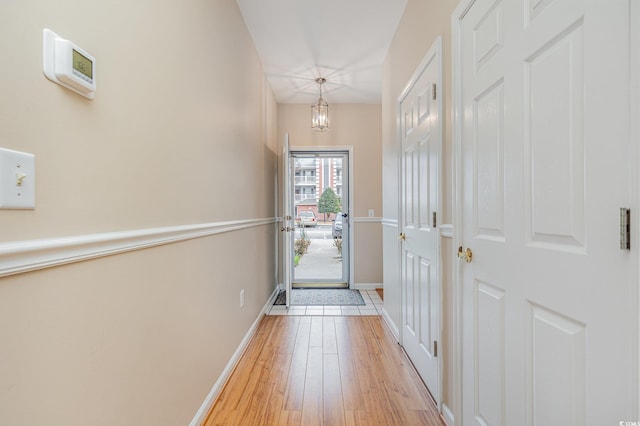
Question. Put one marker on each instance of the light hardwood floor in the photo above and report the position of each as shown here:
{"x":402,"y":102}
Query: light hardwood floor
{"x":326,"y":370}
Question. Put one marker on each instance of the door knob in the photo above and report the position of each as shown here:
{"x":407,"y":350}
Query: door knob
{"x":403,"y":236}
{"x":467,"y":254}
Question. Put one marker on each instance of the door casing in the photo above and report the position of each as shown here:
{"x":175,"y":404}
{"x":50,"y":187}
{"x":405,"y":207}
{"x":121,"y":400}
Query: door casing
{"x":348,"y":149}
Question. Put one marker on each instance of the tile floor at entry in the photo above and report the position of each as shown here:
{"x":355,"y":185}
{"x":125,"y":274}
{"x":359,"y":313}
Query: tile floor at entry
{"x":372,"y":306}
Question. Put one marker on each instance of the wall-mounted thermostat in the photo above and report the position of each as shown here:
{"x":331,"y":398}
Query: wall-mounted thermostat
{"x":67,"y":64}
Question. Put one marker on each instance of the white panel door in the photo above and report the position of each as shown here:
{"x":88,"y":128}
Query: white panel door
{"x":421,"y":137}
{"x":546,"y":307}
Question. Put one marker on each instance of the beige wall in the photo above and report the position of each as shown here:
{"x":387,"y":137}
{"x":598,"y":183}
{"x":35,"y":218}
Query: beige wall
{"x":357,"y":125}
{"x":182,"y":131}
{"x":422,"y":22}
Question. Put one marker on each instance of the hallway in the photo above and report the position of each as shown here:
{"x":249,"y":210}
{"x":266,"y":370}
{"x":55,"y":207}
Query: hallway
{"x":324,"y":371}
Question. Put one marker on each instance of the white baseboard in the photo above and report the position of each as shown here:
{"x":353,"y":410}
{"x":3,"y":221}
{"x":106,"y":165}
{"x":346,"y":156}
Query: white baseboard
{"x":367,"y":286}
{"x":447,"y":414}
{"x":215,"y":391}
{"x":392,"y":326}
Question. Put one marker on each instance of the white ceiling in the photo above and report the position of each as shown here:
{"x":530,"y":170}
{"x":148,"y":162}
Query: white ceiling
{"x":344,"y":41}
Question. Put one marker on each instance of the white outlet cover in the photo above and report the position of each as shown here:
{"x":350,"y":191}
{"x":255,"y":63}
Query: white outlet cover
{"x":17,"y":167}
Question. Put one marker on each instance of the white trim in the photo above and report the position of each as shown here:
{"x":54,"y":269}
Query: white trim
{"x":215,"y":391}
{"x":392,"y":326}
{"x":389,"y":222}
{"x":351,"y":229}
{"x":341,"y":149}
{"x":366,"y":219}
{"x":456,"y":120}
{"x":368,"y":286}
{"x":634,"y":162}
{"x":446,"y":230}
{"x":24,"y":256}
{"x":447,"y":415}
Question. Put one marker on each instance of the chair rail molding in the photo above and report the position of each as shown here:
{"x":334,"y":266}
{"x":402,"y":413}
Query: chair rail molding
{"x":25,"y":256}
{"x":367,"y":219}
{"x":390,"y":222}
{"x":446,"y":230}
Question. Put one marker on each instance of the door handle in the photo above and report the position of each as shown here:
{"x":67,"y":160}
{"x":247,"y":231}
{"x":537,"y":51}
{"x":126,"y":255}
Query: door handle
{"x":467,"y":254}
{"x":403,"y":236}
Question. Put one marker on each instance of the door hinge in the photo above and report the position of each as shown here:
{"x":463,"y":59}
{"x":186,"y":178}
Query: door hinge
{"x":625,"y":228}
{"x":433,"y":219}
{"x":435,"y":348}
{"x":433,"y":92}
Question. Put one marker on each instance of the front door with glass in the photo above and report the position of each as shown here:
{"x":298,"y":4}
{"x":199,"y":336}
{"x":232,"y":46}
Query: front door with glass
{"x":319,"y":202}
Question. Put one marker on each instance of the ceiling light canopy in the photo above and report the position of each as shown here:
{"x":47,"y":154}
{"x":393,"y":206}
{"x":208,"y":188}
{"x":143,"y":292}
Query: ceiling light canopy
{"x":320,"y":111}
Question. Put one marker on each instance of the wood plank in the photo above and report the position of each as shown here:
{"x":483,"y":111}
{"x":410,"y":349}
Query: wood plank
{"x":298,"y":367}
{"x":324,"y":371}
{"x":312,"y":402}
{"x":315,"y":337}
{"x":329,"y":343}
{"x":239,"y":379}
{"x":290,"y":418}
{"x":274,"y":401}
{"x":407,"y":384}
{"x":332,"y":406}
{"x":351,"y":392}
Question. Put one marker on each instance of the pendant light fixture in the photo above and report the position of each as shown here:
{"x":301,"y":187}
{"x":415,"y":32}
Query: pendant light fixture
{"x":320,"y":111}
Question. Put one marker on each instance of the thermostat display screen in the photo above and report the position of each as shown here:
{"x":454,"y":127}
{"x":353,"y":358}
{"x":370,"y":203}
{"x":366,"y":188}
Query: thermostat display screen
{"x":82,"y":64}
{"x":68,"y":65}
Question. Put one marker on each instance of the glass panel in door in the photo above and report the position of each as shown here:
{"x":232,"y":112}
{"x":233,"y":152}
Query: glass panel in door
{"x":320,"y":207}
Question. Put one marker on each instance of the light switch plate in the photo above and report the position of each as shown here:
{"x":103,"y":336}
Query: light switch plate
{"x":17,"y":180}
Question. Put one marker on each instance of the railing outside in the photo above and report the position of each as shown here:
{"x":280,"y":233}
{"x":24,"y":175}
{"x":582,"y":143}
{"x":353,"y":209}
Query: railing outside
{"x":302,"y":197}
{"x":305,"y":180}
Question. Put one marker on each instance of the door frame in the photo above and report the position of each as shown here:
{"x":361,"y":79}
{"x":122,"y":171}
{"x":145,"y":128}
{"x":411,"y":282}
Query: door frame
{"x":348,"y":149}
{"x":436,"y":49}
{"x":634,"y":173}
{"x":286,"y":222}
{"x":456,"y":180}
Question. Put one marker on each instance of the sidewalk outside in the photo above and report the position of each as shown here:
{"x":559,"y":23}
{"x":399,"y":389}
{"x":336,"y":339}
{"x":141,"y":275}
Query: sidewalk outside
{"x":322,"y":261}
